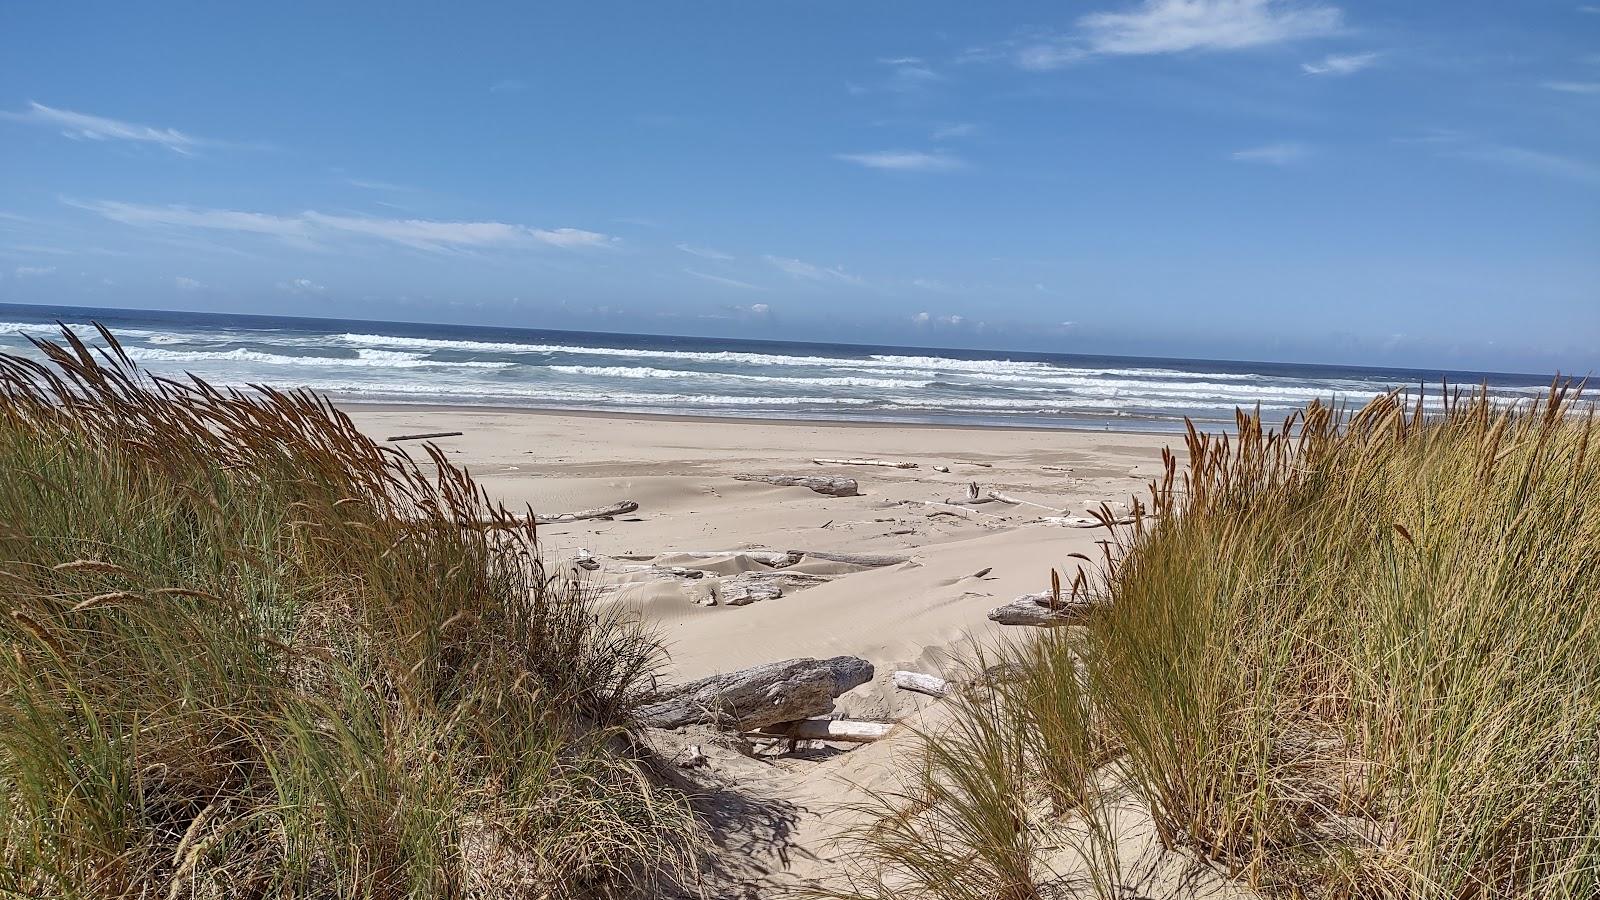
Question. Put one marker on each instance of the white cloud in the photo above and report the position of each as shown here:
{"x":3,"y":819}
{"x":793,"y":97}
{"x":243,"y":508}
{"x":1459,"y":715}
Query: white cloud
{"x":726,"y":282}
{"x":1573,"y":87}
{"x":1172,"y":26}
{"x":921,"y":318}
{"x":954,"y":130}
{"x":30,"y":271}
{"x":571,"y":237}
{"x":371,"y":185}
{"x":705,"y":252}
{"x":755,"y":310}
{"x":185,"y":283}
{"x":1281,"y":154}
{"x":809,"y":271}
{"x":905,"y":160}
{"x":301,"y":286}
{"x":82,"y":126}
{"x":1340,"y":64}
{"x":421,"y":234}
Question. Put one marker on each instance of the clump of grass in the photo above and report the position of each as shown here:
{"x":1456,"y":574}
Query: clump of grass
{"x":246,"y":651}
{"x":1357,"y":657}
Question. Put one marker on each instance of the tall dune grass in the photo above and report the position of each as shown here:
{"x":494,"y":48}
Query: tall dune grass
{"x":1358,"y":657}
{"x":246,"y":652}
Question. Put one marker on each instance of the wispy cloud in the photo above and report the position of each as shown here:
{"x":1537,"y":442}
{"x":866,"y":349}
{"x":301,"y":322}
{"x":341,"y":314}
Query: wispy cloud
{"x":369,"y":184}
{"x":705,"y":252}
{"x":954,"y":130}
{"x":313,"y":226}
{"x":810,"y":271}
{"x":909,"y":74}
{"x":1283,"y":153}
{"x":1340,"y":64}
{"x":905,"y":160}
{"x":82,"y":126}
{"x":301,"y":286}
{"x":1573,"y":87}
{"x":34,"y":271}
{"x":1172,"y":26}
{"x":1535,"y":161}
{"x":725,"y":282}
{"x":185,"y":283}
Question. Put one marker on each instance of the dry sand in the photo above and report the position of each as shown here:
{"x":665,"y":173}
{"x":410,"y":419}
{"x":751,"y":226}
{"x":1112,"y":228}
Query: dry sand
{"x":775,"y":814}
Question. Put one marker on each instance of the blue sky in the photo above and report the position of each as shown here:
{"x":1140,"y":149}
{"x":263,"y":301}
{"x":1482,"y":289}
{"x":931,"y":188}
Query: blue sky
{"x":1410,"y":183}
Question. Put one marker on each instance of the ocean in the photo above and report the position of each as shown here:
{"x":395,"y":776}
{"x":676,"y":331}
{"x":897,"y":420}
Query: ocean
{"x":396,"y":362}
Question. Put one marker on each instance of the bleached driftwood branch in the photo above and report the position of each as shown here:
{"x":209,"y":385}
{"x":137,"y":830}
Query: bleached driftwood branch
{"x":861,"y":461}
{"x":1042,"y":610}
{"x":1083,"y":521}
{"x":932,"y":685}
{"x":620,"y":508}
{"x":777,"y":559}
{"x":1017,"y":501}
{"x":759,"y":696}
{"x":424,"y":436}
{"x":833,"y":486}
{"x":663,"y":571}
{"x":844,"y":730}
{"x":868,"y":560}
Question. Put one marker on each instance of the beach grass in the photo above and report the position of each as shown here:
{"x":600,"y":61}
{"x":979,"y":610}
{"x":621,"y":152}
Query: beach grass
{"x":245,"y":651}
{"x":1357,"y":656}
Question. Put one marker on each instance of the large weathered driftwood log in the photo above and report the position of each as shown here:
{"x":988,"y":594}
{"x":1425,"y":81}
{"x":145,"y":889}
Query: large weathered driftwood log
{"x":742,"y":590}
{"x":620,"y":508}
{"x":1035,"y":609}
{"x":932,"y":685}
{"x":861,"y":461}
{"x":845,"y":730}
{"x":761,"y":695}
{"x":831,"y":485}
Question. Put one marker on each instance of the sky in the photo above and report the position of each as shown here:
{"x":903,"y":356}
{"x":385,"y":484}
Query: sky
{"x":1413,"y":184}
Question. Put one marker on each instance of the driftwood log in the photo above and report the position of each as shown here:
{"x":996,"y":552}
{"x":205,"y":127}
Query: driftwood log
{"x":759,"y":696}
{"x":868,"y":560}
{"x":424,"y":436}
{"x":777,"y":559}
{"x":1041,"y":610}
{"x":1083,"y":521}
{"x":932,"y":685}
{"x":833,"y":486}
{"x":620,"y":508}
{"x":860,"y":461}
{"x":844,"y":730}
{"x":662,"y":571}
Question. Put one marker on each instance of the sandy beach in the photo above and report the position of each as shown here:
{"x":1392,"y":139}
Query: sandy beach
{"x":681,"y":473}
{"x":919,"y":615}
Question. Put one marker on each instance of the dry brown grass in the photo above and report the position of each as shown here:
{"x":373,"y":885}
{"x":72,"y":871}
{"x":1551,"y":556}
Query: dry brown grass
{"x":1357,"y":657}
{"x":247,"y":652}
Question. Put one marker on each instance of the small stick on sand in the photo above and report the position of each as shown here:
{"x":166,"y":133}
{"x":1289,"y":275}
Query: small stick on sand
{"x":845,"y":730}
{"x":858,"y":461}
{"x":932,"y":685}
{"x":1056,"y":468}
{"x":1014,"y":501}
{"x":777,"y":559}
{"x":424,"y":436}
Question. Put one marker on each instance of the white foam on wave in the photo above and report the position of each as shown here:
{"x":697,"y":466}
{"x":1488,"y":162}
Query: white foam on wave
{"x":819,"y":381}
{"x":364,"y":359}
